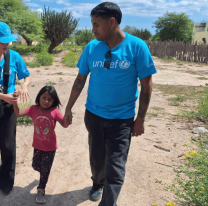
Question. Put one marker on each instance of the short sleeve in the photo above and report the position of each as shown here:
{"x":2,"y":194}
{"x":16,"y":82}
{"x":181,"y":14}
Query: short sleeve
{"x":144,"y":62}
{"x":22,"y":71}
{"x":29,"y":111}
{"x":58,"y":116}
{"x":83,"y":62}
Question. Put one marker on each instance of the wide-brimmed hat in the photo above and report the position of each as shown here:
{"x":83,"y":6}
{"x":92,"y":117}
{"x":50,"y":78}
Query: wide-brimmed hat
{"x":5,"y":33}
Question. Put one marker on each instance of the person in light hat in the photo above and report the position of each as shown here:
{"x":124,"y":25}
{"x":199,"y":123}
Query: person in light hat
{"x":17,"y":67}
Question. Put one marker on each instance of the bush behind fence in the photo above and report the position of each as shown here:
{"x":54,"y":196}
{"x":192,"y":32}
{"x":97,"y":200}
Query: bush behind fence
{"x":180,"y":50}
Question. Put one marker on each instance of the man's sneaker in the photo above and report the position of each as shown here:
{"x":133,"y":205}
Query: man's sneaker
{"x":40,"y":196}
{"x":95,"y":194}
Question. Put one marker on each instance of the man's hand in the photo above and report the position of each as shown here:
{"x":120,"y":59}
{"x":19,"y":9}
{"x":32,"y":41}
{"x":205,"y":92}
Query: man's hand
{"x":138,"y":128}
{"x":10,"y":99}
{"x":68,"y":116}
{"x":23,"y":93}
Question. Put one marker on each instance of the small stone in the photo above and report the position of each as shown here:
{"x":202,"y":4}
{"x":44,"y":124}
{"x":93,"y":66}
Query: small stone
{"x":194,"y":139}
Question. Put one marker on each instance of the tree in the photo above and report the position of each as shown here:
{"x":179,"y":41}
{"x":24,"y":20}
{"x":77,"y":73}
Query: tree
{"x":143,"y":34}
{"x":10,"y":11}
{"x":154,"y":38}
{"x":31,"y":27}
{"x":86,"y":36}
{"x":58,"y":26}
{"x":21,"y":20}
{"x":173,"y":26}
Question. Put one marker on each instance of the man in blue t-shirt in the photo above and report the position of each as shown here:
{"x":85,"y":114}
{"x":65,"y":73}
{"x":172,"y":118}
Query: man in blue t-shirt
{"x":116,"y":61}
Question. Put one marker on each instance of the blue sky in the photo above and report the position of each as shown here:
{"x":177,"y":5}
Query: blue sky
{"x":138,"y":13}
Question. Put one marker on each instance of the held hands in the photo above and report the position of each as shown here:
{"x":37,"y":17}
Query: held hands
{"x":138,"y":128}
{"x":10,"y":99}
{"x":68,"y":116}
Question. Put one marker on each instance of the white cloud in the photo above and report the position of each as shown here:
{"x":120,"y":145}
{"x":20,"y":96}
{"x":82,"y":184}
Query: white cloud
{"x":80,"y":10}
{"x":62,"y":2}
{"x":39,"y":10}
{"x":33,"y":5}
{"x":147,"y":8}
{"x":154,"y":8}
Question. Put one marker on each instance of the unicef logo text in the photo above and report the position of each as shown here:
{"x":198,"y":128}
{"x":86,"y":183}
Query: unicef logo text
{"x":124,"y":64}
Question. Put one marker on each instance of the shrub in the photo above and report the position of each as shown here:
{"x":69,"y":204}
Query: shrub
{"x":44,"y":58}
{"x":22,"y":49}
{"x":27,"y":50}
{"x":59,"y":48}
{"x":40,"y":48}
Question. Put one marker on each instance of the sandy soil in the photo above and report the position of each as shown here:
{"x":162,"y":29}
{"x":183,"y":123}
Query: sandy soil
{"x":69,"y":181}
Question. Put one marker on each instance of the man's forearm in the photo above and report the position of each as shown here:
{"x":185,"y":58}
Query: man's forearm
{"x":144,"y":100}
{"x":26,"y":82}
{"x":76,"y":90}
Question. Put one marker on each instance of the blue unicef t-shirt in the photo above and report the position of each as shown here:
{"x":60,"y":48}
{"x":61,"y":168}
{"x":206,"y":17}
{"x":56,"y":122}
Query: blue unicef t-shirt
{"x":112,"y":93}
{"x":17,"y":66}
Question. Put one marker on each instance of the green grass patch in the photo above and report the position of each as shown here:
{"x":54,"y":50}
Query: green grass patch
{"x":201,"y":110}
{"x":166,"y":58}
{"x":202,"y":78}
{"x":157,"y":108}
{"x":51,"y":83}
{"x":190,"y":92}
{"x":155,"y":111}
{"x":151,"y":125}
{"x":176,"y":100}
{"x":70,"y":59}
{"x":33,"y":64}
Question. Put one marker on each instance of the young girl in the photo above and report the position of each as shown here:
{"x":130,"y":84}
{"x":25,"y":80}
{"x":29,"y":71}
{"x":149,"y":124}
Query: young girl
{"x":44,"y":115}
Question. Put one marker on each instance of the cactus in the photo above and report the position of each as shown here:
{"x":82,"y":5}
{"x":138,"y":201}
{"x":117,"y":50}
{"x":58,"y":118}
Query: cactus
{"x":58,"y":26}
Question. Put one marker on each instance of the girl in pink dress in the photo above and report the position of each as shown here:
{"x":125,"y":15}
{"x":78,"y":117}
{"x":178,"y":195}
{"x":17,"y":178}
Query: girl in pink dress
{"x":44,"y":115}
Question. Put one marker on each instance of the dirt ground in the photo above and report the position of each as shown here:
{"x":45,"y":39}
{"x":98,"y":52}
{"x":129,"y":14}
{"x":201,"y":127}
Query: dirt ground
{"x":69,"y":182}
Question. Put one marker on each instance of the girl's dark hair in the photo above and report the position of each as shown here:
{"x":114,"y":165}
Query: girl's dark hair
{"x":107,"y":10}
{"x":51,"y":90}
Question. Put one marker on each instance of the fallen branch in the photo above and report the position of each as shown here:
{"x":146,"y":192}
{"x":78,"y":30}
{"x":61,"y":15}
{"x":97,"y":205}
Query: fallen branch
{"x":181,"y":155}
{"x":153,"y":140}
{"x":162,"y":148}
{"x":163,"y":164}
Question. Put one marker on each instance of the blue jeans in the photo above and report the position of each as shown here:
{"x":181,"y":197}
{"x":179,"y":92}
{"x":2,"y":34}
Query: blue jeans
{"x":109,"y":142}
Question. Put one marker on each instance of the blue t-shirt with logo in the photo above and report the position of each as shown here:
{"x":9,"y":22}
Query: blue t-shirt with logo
{"x":112,"y":93}
{"x":17,"y":66}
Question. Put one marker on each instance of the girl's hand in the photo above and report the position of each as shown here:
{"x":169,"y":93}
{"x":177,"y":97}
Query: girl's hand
{"x":10,"y":99}
{"x":16,"y":94}
{"x":24,"y":94}
{"x":64,"y":122}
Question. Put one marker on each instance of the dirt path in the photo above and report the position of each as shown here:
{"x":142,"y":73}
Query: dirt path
{"x":69,"y":181}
